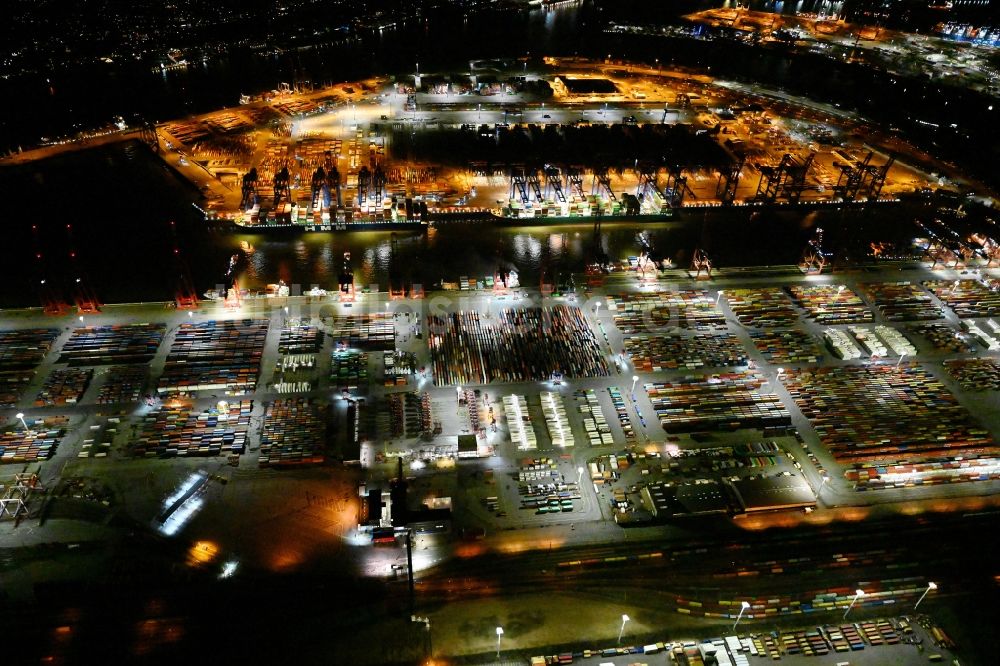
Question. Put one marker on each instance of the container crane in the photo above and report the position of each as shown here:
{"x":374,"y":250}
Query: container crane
{"x":185,"y":296}
{"x":248,"y":189}
{"x":51,"y":296}
{"x":729,"y":179}
{"x":83,"y":293}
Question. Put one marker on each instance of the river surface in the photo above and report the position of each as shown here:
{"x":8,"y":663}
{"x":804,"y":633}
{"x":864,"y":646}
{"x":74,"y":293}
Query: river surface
{"x":119,"y":202}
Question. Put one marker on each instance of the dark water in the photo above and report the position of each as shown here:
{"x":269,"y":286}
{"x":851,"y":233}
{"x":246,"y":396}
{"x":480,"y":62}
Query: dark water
{"x":120,"y":202}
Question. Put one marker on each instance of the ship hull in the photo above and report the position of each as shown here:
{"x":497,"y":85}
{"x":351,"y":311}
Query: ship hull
{"x":436,"y":220}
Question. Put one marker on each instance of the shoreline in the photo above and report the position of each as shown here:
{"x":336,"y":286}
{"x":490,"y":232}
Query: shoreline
{"x":667,"y":278}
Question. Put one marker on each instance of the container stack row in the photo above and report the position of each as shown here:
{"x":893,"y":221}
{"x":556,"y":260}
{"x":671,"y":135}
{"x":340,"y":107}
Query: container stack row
{"x":300,"y":338}
{"x":902,"y":301}
{"x":648,"y":312}
{"x":761,"y":307}
{"x":215,"y":356}
{"x":554,"y":411}
{"x":64,"y":386}
{"x":124,"y":384}
{"x":975,"y":374}
{"x":294,"y":433}
{"x":726,"y":401}
{"x":787,"y":346}
{"x":967,"y":298}
{"x":520,"y":344}
{"x":883,"y":413}
{"x":598,"y":430}
{"x":374,"y":332}
{"x":105,"y":345}
{"x":349,"y":369}
{"x":841,"y":344}
{"x":945,"y":337}
{"x":831,"y":304}
{"x":21,"y":351}
{"x":179,"y":431}
{"x":35,"y":444}
{"x":687,"y":351}
{"x":618,"y":400}
{"x":515,"y":408}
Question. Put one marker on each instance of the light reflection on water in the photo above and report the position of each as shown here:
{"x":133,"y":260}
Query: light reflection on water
{"x":448,"y":253}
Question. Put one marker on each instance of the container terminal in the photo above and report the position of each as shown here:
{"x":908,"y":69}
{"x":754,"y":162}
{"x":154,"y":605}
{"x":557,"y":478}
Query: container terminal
{"x":568,"y":140}
{"x":575,"y":425}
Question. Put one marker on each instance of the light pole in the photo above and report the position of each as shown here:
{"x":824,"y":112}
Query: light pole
{"x":744,"y":605}
{"x":635,"y":378}
{"x":930,"y":586}
{"x":857,"y":595}
{"x":625,"y":618}
{"x":900,"y":359}
{"x":499,"y":634}
{"x":579,"y":475}
{"x":20,"y":417}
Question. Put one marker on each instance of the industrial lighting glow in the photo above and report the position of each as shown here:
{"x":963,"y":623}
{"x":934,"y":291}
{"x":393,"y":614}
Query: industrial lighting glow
{"x":183,"y":490}
{"x":179,"y":518}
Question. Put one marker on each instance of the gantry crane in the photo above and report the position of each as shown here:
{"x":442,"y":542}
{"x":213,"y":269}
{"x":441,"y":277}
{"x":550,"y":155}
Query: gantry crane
{"x":786,"y":180}
{"x":249,"y":189}
{"x":83,"y":292}
{"x":602,"y":183}
{"x":574,"y":181}
{"x":553,"y":183}
{"x":519,"y":184}
{"x":677,"y":186}
{"x":700,"y":263}
{"x":53,"y":302}
{"x":282,"y":186}
{"x":729,"y":179}
{"x":531,"y":176}
{"x":851,"y":178}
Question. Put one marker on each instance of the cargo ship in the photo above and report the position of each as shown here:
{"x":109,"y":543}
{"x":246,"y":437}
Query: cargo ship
{"x":415,"y":215}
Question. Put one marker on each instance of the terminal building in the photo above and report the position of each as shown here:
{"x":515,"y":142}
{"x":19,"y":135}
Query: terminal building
{"x":666,"y":501}
{"x":568,"y":86}
{"x":776,"y":493}
{"x":386,"y":511}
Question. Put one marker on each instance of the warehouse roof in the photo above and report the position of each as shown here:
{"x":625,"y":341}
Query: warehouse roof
{"x":775,"y":493}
